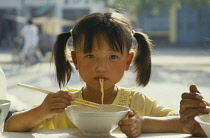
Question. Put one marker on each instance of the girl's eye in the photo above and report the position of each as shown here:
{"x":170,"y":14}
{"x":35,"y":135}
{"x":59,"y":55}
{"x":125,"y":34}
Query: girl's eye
{"x":113,"y":57}
{"x":90,"y":56}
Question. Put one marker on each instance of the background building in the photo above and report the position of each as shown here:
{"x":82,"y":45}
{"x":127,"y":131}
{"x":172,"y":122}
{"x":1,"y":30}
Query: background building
{"x":178,"y":25}
{"x":172,"y":24}
{"x":52,"y":16}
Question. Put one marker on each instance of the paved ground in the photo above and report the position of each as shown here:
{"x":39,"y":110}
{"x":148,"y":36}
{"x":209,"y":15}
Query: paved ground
{"x":174,"y":69}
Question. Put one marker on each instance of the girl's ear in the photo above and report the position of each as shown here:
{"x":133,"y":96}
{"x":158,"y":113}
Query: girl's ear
{"x":129,"y":60}
{"x":74,"y":58}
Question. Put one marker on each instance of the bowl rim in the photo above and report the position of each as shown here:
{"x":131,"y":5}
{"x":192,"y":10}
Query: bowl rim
{"x":5,"y":101}
{"x":127,"y":109}
{"x":197,"y":118}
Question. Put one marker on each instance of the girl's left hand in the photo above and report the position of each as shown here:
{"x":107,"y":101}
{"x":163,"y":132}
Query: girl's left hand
{"x":131,"y":127}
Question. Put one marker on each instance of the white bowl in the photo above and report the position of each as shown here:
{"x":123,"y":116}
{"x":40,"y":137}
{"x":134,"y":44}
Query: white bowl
{"x":94,"y":122}
{"x":204,"y":121}
{"x":4,"y":109}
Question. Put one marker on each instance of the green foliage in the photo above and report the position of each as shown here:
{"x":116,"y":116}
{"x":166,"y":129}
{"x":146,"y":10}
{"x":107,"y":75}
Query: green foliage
{"x":153,"y":6}
{"x":140,"y":7}
{"x":194,"y":3}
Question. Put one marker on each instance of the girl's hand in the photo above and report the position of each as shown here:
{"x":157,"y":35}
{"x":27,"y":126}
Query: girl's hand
{"x":131,"y":127}
{"x":55,"y":103}
{"x":192,"y":105}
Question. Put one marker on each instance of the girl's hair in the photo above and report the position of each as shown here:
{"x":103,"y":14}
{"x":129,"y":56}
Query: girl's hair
{"x":119,"y":33}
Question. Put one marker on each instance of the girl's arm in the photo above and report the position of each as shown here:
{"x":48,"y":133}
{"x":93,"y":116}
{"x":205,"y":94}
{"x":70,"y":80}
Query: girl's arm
{"x":169,"y":124}
{"x":53,"y":103}
{"x":24,"y":121}
{"x":135,"y":124}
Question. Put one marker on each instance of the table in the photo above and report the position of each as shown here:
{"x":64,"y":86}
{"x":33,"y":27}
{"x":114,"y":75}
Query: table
{"x":75,"y":133}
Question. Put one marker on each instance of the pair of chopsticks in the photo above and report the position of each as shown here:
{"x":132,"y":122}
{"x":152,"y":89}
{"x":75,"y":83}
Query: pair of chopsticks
{"x":76,"y":100}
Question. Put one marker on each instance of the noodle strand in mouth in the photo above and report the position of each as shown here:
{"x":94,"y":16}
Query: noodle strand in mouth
{"x":101,"y":81}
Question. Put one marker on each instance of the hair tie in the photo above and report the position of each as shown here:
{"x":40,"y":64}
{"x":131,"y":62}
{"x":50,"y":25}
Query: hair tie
{"x":70,"y":32}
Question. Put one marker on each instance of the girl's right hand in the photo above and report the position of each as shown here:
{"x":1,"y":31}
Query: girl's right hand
{"x":55,"y":103}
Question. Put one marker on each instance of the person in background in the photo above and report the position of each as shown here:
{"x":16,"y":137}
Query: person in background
{"x":101,"y":48}
{"x":30,"y":34}
{"x":191,"y":105}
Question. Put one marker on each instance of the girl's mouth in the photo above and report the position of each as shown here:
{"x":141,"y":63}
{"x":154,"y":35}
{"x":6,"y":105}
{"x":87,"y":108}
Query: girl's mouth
{"x":98,"y":78}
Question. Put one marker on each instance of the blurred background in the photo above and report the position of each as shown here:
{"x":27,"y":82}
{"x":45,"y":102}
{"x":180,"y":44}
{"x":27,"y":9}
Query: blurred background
{"x":179,"y":30}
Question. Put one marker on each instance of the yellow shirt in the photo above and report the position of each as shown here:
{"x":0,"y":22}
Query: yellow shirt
{"x":144,"y":105}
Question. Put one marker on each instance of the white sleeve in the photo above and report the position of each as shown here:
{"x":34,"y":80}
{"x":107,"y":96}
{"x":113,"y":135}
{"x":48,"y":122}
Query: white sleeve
{"x":23,"y":31}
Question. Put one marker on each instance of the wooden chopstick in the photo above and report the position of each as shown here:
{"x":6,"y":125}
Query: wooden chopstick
{"x":79,"y":101}
{"x":33,"y":88}
{"x":87,"y":104}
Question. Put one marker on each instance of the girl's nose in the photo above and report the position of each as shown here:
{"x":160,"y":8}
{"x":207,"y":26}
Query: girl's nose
{"x":101,"y":66}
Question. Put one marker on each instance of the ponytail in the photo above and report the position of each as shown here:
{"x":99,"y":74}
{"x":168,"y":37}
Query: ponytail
{"x":61,"y":58}
{"x":142,"y":60}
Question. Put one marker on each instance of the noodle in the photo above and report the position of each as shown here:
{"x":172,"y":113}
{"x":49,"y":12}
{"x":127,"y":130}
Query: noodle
{"x":101,"y":81}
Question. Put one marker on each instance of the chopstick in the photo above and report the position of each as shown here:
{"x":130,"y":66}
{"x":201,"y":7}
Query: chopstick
{"x":76,"y":100}
{"x":33,"y":88}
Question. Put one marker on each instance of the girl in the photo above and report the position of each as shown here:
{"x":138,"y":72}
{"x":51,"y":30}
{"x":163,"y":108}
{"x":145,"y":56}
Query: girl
{"x":102,"y":44}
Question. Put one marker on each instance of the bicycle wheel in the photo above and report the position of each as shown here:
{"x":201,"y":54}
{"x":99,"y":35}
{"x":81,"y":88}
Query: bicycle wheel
{"x":15,"y":59}
{"x":33,"y":61}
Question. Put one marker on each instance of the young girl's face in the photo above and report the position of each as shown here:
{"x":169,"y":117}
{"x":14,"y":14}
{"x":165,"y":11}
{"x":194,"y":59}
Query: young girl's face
{"x":101,"y":63}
